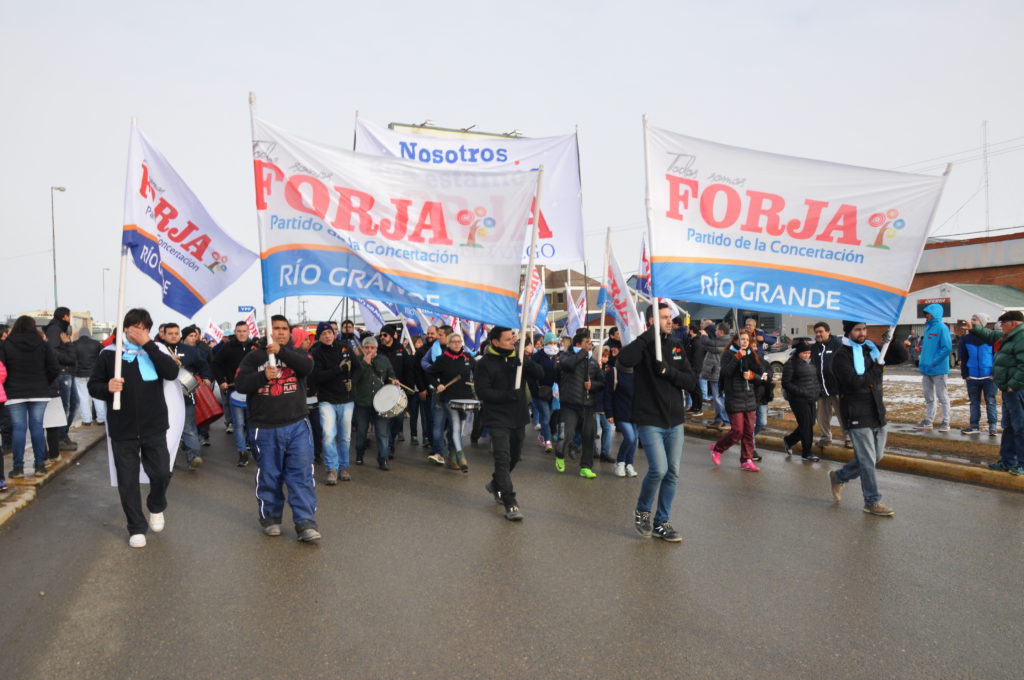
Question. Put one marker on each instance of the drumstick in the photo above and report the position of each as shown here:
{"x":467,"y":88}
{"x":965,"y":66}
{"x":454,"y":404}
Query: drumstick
{"x":407,"y":389}
{"x":453,"y":381}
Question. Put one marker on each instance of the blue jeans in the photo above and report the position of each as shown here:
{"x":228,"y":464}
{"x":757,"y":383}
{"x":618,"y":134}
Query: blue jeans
{"x":762,"y":418}
{"x":606,"y":434}
{"x":28,"y":415}
{"x":719,"y":401}
{"x":239,"y":417}
{"x":975,"y":390}
{"x":664,"y":450}
{"x":868,"y":449}
{"x":190,"y":433}
{"x":442,"y":418}
{"x":336,"y":423}
{"x":1011,"y":447}
{"x":225,"y":403}
{"x":361,"y":416}
{"x":68,"y":397}
{"x":627,"y":449}
{"x":704,"y":390}
{"x":542,"y":409}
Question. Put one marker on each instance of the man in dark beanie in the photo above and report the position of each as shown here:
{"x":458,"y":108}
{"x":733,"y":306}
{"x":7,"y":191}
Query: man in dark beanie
{"x":401,"y":361}
{"x":858,"y":367}
{"x":1008,"y":373}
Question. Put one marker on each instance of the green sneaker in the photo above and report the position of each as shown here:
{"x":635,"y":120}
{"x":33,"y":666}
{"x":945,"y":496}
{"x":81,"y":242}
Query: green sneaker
{"x":560,"y":464}
{"x":1017,"y":470}
{"x":999,"y":466}
{"x":587,"y":473}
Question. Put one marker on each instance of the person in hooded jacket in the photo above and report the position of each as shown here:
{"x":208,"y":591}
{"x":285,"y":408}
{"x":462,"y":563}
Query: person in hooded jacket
{"x":713,"y":346}
{"x":542,"y":387}
{"x":32,"y":367}
{"x":936,"y":345}
{"x":742,"y":372}
{"x":801,"y":387}
{"x":1008,"y":374}
{"x":976,"y":359}
{"x":451,"y":377}
{"x":579,"y":385}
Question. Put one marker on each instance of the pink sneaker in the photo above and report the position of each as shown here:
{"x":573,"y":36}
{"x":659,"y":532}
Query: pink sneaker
{"x":716,"y":457}
{"x":541,"y":439}
{"x":749,"y":466}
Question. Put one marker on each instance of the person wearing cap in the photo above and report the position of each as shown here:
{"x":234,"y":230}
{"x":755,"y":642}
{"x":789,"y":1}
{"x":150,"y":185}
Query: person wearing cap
{"x":334,"y":364}
{"x":401,"y":363}
{"x":1008,"y":375}
{"x":373,"y":374}
{"x":936,"y":345}
{"x":975,"y":356}
{"x":542,"y":387}
{"x":858,"y":367}
{"x":801,"y":388}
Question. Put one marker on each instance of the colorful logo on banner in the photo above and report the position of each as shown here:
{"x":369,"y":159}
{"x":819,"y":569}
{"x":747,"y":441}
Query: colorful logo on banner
{"x":560,"y":227}
{"x":753,"y":230}
{"x":171,"y":237}
{"x":340,"y":223}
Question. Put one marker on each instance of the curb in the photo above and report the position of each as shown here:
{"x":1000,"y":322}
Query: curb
{"x":892,"y":461}
{"x":22,"y":492}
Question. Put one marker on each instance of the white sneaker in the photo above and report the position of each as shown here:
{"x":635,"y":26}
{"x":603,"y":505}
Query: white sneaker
{"x":156,"y":521}
{"x":620,"y":469}
{"x":630,"y":470}
{"x":536,"y":426}
{"x":137,"y":541}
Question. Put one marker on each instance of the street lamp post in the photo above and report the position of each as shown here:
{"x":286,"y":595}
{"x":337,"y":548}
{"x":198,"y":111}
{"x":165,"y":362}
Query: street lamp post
{"x":105,"y":270}
{"x":53,"y":236}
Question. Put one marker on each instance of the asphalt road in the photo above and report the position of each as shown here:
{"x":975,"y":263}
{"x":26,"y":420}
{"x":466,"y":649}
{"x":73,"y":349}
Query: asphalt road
{"x":419,"y":575}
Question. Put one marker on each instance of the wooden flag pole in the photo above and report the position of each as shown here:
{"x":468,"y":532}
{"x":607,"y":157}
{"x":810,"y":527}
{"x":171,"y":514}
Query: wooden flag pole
{"x":656,"y":317}
{"x":119,"y":333}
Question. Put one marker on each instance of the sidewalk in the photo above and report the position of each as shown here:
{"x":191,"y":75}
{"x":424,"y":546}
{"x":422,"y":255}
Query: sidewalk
{"x":21,"y":492}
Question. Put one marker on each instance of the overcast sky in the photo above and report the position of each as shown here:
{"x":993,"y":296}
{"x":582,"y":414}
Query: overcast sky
{"x":878,"y":84}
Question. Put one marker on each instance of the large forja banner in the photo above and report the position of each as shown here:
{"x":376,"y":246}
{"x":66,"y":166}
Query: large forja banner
{"x":560,"y":236}
{"x":171,"y":237}
{"x":339,"y":223}
{"x":741,"y":228}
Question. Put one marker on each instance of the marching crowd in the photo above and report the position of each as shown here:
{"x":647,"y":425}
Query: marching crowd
{"x":300,"y":398}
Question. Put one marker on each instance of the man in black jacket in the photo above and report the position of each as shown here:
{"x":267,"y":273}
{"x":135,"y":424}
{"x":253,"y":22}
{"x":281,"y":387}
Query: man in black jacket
{"x":225,"y":364}
{"x":658,"y":413}
{"x":858,"y":370}
{"x":823,"y":354}
{"x":281,"y":435}
{"x":579,"y":383}
{"x":58,"y":336}
{"x":401,"y":363}
{"x":87,"y":350}
{"x":138,"y":430}
{"x":504,"y":412}
{"x":334,"y":365}
{"x":193,"y":361}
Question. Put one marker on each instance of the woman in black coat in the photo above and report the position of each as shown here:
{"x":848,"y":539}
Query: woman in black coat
{"x":801,"y":386}
{"x":451,"y":378}
{"x":31,"y":369}
{"x":741,"y":375}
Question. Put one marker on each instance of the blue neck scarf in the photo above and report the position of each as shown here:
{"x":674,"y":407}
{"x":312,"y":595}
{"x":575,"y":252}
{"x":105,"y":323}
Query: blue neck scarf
{"x":858,"y":353}
{"x":146,"y":368}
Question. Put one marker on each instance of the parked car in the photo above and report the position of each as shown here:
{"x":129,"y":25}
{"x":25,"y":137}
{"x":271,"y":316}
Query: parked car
{"x":775,"y":360}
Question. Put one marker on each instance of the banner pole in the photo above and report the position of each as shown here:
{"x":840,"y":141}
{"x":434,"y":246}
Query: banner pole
{"x":271,"y":358}
{"x":604,"y":286}
{"x":119,"y":347}
{"x":656,"y":317}
{"x":529,"y":278}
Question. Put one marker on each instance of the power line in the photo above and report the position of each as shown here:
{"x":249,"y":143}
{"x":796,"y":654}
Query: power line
{"x":949,"y":155}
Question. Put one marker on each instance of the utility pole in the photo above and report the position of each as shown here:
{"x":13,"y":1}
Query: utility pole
{"x":984,"y":155}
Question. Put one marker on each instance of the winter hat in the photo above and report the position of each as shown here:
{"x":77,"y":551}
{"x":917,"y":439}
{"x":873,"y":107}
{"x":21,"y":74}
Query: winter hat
{"x":982,"y":318}
{"x":389,"y":329}
{"x":550,"y":338}
{"x":848,"y":326}
{"x":323,"y":326}
{"x":801,"y":346}
{"x":299,"y":336}
{"x":1012,"y":316}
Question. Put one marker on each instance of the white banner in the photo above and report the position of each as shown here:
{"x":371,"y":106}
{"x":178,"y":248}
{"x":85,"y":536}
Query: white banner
{"x":340,"y":223}
{"x":560,"y":237}
{"x":754,"y":230}
{"x":171,"y":237}
{"x":254,"y":328}
{"x":213,"y":332}
{"x":621,"y":303}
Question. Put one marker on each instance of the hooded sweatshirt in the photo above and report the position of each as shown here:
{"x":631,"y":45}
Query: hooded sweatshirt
{"x":936,"y":344}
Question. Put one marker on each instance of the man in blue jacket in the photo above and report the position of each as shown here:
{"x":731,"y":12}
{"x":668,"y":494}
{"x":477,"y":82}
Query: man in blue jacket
{"x":936,"y":345}
{"x":975,"y":356}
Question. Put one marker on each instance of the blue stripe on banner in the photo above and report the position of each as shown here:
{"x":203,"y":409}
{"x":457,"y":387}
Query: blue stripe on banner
{"x":320,"y":272}
{"x":179,"y":298}
{"x":775,"y":290}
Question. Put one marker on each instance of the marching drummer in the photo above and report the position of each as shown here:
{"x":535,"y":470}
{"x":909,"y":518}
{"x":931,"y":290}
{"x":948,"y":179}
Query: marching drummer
{"x":451,"y":379}
{"x":192,"y":360}
{"x":375,"y":373}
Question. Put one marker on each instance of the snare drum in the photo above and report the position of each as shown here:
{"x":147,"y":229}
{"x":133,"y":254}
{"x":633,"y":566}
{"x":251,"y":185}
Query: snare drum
{"x":464,"y":405}
{"x":189,"y":383}
{"x":390,"y":401}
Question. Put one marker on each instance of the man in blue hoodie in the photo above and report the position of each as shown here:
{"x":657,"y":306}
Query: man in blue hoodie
{"x":936,"y":346}
{"x":975,"y":356}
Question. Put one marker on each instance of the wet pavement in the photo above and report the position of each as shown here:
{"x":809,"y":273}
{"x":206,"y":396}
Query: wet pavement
{"x":419,"y":575}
